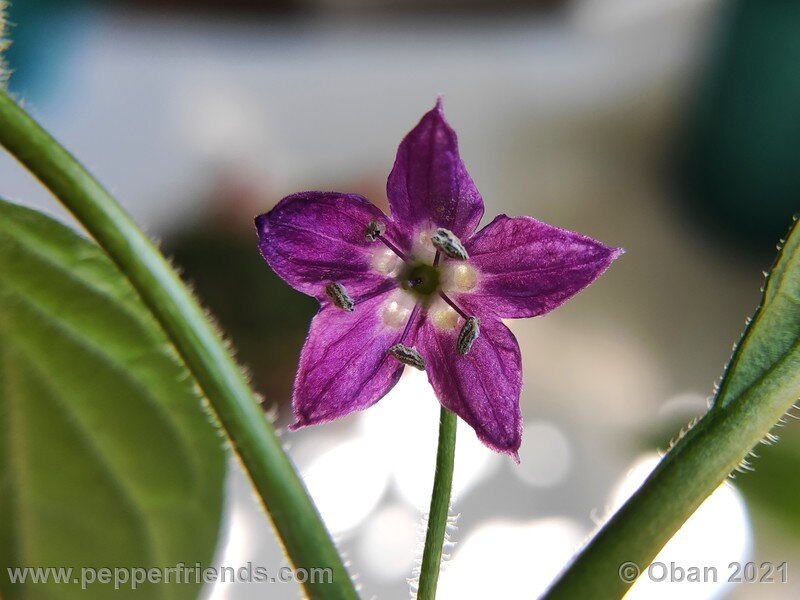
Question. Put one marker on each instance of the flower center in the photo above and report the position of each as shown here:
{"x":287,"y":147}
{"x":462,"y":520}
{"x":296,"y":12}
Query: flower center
{"x":421,"y":279}
{"x":424,"y":281}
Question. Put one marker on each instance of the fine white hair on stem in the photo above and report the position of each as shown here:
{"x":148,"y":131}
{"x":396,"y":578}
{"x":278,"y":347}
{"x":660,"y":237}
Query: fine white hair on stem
{"x":791,"y":415}
{"x":355,"y":577}
{"x":3,"y":43}
{"x":684,"y":430}
{"x":271,"y":409}
{"x":770,"y":439}
{"x":451,"y":527}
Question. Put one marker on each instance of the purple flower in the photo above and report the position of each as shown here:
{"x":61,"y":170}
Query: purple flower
{"x":421,"y":288}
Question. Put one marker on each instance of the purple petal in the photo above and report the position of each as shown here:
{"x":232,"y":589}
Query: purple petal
{"x":429,"y":185}
{"x":345,"y":365}
{"x":482,"y":387}
{"x":314,"y":238}
{"x":527,"y":268}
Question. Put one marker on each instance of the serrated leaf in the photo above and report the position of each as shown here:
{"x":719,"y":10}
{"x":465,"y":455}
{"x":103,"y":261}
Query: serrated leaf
{"x":774,"y":332}
{"x":107,"y":458}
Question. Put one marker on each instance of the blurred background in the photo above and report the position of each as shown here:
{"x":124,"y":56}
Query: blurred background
{"x":668,"y":127}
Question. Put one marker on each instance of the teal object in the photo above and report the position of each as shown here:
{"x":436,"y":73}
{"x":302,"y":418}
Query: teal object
{"x":740,"y":161}
{"x":45,"y":36}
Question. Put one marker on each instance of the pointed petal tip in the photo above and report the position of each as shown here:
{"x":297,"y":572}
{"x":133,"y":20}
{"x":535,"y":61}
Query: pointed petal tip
{"x":512,"y":450}
{"x":300,"y":420}
{"x":429,"y":183}
{"x":260,"y":221}
{"x":437,"y":113}
{"x":507,"y":444}
{"x":613,"y":255}
{"x":509,"y":449}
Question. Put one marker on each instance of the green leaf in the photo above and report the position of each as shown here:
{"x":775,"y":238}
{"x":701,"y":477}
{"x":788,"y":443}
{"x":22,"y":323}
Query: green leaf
{"x":305,"y":539}
{"x":107,"y":457}
{"x":773,"y":334}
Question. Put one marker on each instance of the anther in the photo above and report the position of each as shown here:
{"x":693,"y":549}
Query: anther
{"x":446,"y":241}
{"x":374,"y":230}
{"x":469,"y":333}
{"x":339,"y":296}
{"x":408,"y":356}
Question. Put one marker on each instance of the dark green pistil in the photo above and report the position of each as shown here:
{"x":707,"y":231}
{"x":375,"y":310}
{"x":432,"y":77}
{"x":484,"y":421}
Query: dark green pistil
{"x":421,"y":278}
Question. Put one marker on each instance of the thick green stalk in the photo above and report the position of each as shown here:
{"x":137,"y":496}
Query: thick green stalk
{"x":282,"y":493}
{"x":440,"y":506}
{"x":760,"y":384}
{"x":691,"y":471}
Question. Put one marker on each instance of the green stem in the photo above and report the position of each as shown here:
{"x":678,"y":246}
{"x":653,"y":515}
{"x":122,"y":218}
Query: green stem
{"x":761,"y":382}
{"x":440,"y":506}
{"x":690,"y":471}
{"x":282,"y":493}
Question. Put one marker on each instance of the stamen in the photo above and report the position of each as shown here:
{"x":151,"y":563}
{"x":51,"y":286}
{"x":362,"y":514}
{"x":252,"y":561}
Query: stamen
{"x":393,"y":248}
{"x":408,"y":356}
{"x":374,"y":230}
{"x":409,"y":323}
{"x":464,"y":315}
{"x":339,"y":296}
{"x":446,"y":241}
{"x":469,"y":333}
{"x":381,"y":289}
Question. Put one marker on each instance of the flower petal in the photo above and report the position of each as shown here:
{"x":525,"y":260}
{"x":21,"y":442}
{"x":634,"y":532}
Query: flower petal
{"x":345,"y":364}
{"x":429,"y":185}
{"x":527,"y":268}
{"x":482,"y":387}
{"x":314,"y":238}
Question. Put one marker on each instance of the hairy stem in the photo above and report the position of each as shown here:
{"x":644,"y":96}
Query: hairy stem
{"x":282,"y":493}
{"x":440,"y":506}
{"x":688,"y":474}
{"x":766,"y":371}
